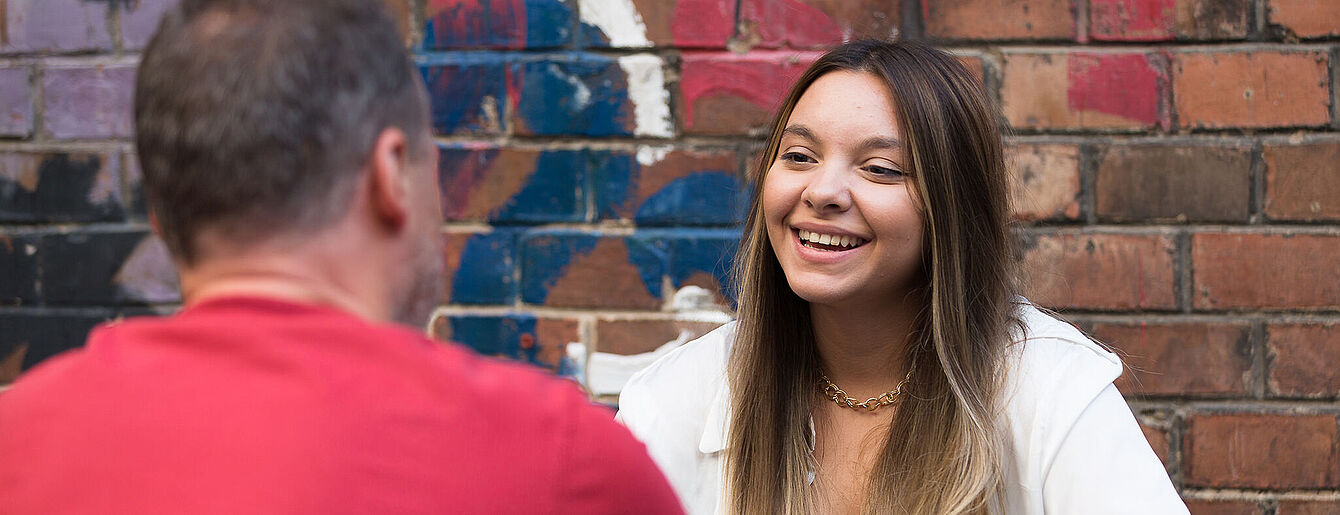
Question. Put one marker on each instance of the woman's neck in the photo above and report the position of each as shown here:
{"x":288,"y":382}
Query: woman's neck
{"x":864,"y":347}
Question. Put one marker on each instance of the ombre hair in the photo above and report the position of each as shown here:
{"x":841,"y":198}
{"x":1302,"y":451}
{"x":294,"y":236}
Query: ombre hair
{"x":944,"y":451}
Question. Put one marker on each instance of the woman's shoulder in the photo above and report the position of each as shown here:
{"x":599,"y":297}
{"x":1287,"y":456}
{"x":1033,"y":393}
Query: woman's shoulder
{"x":1052,"y":369}
{"x":684,"y":379}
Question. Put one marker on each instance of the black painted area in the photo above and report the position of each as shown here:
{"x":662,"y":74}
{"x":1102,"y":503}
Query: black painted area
{"x":69,"y":188}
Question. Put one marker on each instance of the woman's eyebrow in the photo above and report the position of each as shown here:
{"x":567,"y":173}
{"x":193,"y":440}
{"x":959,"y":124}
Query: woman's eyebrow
{"x":800,"y":131}
{"x":881,"y":143}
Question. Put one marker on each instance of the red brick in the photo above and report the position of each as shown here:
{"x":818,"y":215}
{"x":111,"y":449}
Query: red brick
{"x":638,"y":336}
{"x":1251,"y":89}
{"x":1301,"y":181}
{"x":1081,"y":91}
{"x":1100,"y":271}
{"x":1158,"y":440}
{"x":1132,"y":20}
{"x":660,"y":171}
{"x":1181,"y":358}
{"x":1162,"y":20}
{"x":688,"y":23}
{"x":1219,"y":507}
{"x":975,"y":66}
{"x":1303,"y":359}
{"x":583,"y":271}
{"x":1046,"y":181}
{"x":999,"y":19}
{"x":553,"y":335}
{"x":1261,"y":451}
{"x":12,"y":364}
{"x":1290,"y":507}
{"x":1265,"y":271}
{"x":1214,"y":19}
{"x":1306,"y":18}
{"x":816,"y":23}
{"x":1184,"y":183}
{"x":728,"y":93}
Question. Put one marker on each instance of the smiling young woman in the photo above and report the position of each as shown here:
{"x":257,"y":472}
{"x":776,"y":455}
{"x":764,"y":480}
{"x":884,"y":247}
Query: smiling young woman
{"x":882,"y":361}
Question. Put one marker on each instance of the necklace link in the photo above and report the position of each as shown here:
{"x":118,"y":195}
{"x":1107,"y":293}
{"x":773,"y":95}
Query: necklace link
{"x":840,"y":397}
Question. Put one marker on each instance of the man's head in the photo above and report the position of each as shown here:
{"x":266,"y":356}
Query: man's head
{"x":261,"y":121}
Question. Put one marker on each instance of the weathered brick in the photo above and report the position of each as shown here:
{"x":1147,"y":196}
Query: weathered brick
{"x":1099,"y":271}
{"x":104,"y":268}
{"x":590,"y":95}
{"x":1224,"y":507}
{"x":661,"y":186}
{"x":88,"y":101}
{"x":1214,"y":19}
{"x":60,"y":187}
{"x":482,"y":183}
{"x":569,"y":269}
{"x":11,"y":361}
{"x":1181,"y":359}
{"x":728,"y":93}
{"x":816,"y":23}
{"x":637,"y":336}
{"x":1000,"y":19}
{"x":478,"y":267}
{"x":467,"y":93}
{"x":661,"y":23}
{"x":139,"y":21}
{"x":1046,"y":181}
{"x":1158,"y":440}
{"x":54,"y":26}
{"x":1117,"y":90}
{"x":516,"y":336}
{"x":18,"y":258}
{"x":1265,"y":271}
{"x":1305,"y":18}
{"x":1261,"y":451}
{"x":47,"y":334}
{"x":1198,"y":183}
{"x":450,"y":24}
{"x":1251,"y":89}
{"x":704,"y":259}
{"x":1132,"y":20}
{"x":1162,"y":20}
{"x":1303,"y":358}
{"x":1298,"y":507}
{"x":16,"y":104}
{"x":1301,"y":181}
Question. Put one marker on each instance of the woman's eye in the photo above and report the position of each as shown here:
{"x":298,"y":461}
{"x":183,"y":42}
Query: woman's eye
{"x":796,"y":157}
{"x":880,"y":171}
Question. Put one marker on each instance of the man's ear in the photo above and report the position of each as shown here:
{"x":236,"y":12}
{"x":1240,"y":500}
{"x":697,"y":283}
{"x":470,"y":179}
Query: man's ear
{"x":389,"y":181}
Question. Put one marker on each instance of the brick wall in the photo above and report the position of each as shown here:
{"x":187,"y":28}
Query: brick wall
{"x":1179,"y":193}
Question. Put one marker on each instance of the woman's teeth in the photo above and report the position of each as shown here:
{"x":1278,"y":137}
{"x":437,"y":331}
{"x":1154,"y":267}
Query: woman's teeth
{"x":829,"y":239}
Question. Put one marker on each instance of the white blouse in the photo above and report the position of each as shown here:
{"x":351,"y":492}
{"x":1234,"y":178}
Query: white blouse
{"x":1074,"y":446}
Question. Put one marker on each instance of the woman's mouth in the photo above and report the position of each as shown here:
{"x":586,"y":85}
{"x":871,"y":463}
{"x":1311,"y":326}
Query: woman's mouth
{"x":828,"y":242}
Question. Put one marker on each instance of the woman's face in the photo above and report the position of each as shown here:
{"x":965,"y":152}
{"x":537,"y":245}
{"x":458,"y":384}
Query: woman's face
{"x":838,"y":201}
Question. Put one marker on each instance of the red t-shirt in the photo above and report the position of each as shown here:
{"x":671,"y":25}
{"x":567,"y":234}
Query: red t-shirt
{"x":246,"y":405}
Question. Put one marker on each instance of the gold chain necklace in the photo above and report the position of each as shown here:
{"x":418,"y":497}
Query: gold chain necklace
{"x":839,"y":396}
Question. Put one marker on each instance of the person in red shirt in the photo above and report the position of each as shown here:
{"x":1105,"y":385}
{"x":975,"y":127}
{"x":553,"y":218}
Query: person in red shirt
{"x":289,"y":168}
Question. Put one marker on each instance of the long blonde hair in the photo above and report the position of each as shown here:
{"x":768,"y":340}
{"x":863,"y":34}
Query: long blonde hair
{"x":943,"y":453}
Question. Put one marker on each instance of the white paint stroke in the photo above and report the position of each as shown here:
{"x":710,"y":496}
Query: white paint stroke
{"x":648,"y":155}
{"x":618,"y":19}
{"x":646,"y":89}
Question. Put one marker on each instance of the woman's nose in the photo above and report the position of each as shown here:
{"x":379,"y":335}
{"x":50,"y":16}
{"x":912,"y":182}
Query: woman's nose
{"x":827,"y":189}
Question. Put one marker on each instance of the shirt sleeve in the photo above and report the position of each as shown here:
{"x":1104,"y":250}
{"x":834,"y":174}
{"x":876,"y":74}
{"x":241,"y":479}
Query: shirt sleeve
{"x":1105,"y":465}
{"x":607,"y":471}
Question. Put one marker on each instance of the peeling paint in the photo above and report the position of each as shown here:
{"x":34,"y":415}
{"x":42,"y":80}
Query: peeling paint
{"x":648,"y":155}
{"x":618,"y":19}
{"x":646,"y":89}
